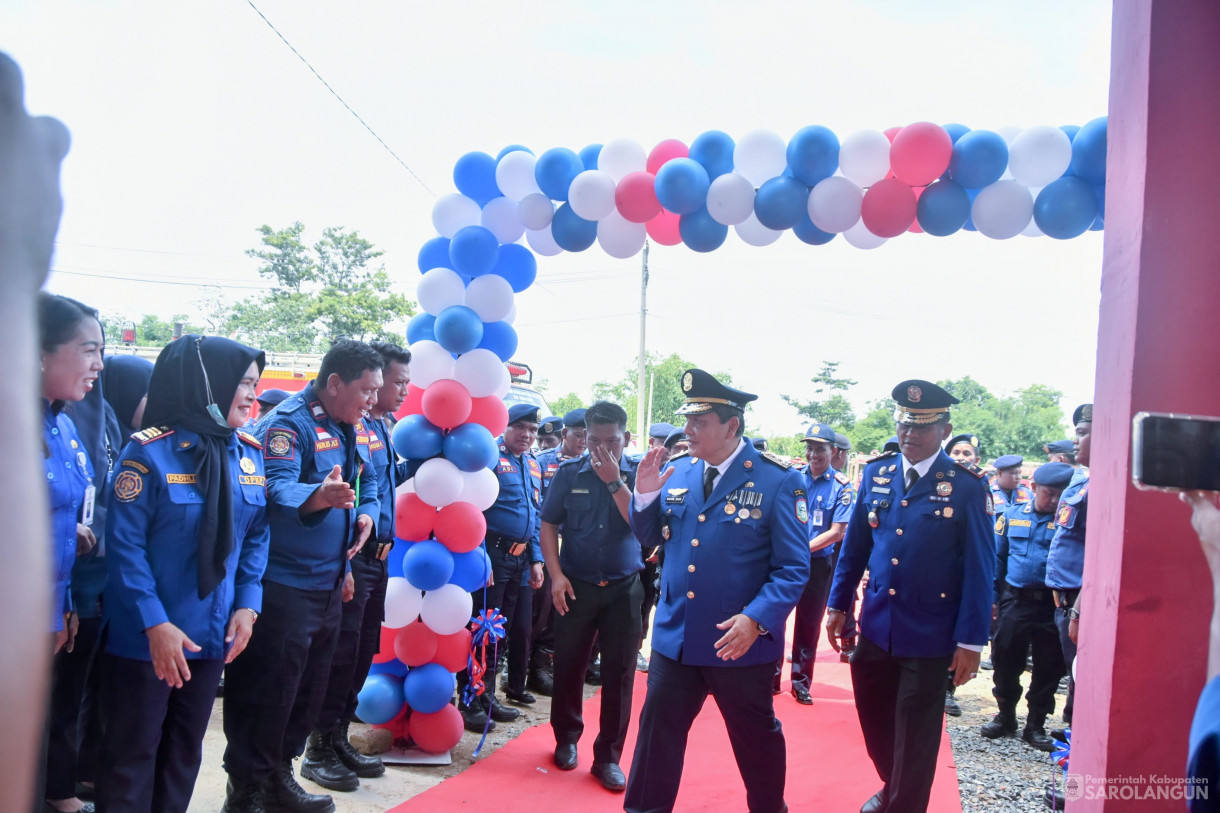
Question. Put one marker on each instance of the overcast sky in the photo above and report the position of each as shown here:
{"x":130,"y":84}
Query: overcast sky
{"x":193,"y":124}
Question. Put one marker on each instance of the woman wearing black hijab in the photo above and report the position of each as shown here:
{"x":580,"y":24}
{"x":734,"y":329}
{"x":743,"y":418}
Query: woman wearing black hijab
{"x":187,"y":546}
{"x":125,"y":387}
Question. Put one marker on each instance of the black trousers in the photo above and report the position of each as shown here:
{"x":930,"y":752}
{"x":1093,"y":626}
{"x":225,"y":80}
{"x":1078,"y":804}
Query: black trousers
{"x":901,"y":705}
{"x":850,"y":630}
{"x":612,"y":614}
{"x":648,"y":579}
{"x":71,"y":723}
{"x":542,"y":636}
{"x":1069,"y":655}
{"x":153,"y":740}
{"x":358,"y":641}
{"x":810,"y":609}
{"x":1026,"y":622}
{"x":274,"y":690}
{"x":503,"y":593}
{"x":520,"y":638}
{"x":676,"y":693}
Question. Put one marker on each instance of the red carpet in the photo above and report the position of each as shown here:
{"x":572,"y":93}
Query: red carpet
{"x":828,"y":769}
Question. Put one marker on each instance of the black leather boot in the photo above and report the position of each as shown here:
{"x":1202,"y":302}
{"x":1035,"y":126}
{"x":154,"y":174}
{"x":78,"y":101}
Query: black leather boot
{"x":542,"y":672}
{"x":322,"y":765}
{"x":363,"y":765}
{"x":282,"y":793}
{"x":1035,"y":733}
{"x":1003,"y":724}
{"x":474,"y":718}
{"x":243,"y":799}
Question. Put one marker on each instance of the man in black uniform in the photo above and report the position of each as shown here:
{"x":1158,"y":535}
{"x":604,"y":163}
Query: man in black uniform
{"x":596,"y":588}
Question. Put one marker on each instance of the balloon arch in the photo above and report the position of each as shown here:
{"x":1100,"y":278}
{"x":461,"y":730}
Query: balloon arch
{"x":870,"y":187}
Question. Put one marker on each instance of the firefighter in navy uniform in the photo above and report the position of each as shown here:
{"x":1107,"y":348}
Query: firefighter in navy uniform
{"x":1007,"y":490}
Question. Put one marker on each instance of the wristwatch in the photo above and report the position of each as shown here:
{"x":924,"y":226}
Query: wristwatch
{"x":761,"y":629}
{"x":1072,"y":613}
{"x":251,"y":612}
{"x":614,"y":485}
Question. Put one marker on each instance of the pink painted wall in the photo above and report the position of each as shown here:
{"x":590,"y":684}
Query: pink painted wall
{"x":1143,"y":649}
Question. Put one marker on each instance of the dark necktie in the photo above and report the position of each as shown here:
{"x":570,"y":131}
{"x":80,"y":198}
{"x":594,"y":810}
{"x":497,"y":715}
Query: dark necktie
{"x":709,"y":478}
{"x":912,"y":476}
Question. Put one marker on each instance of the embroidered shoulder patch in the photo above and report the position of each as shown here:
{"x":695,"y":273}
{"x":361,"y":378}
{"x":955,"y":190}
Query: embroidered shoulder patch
{"x":127,"y":486}
{"x":280,"y":444}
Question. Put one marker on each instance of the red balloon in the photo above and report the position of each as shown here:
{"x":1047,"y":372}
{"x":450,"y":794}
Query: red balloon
{"x":460,"y":527}
{"x":453,"y":650}
{"x":446,"y":403}
{"x":892,"y":132}
{"x":413,"y":404}
{"x":920,"y":153}
{"x":385,"y":652}
{"x":413,"y":518}
{"x":490,"y":412}
{"x":915,"y":227}
{"x":437,"y":732}
{"x":398,"y":726}
{"x":415,"y":644}
{"x":667,"y":150}
{"x":636,"y":197}
{"x":664,"y":229}
{"x":888,"y":208}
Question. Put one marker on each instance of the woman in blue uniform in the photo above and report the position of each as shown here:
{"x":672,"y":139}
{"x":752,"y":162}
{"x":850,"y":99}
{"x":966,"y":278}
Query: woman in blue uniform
{"x":70,"y":340}
{"x":186,"y":549}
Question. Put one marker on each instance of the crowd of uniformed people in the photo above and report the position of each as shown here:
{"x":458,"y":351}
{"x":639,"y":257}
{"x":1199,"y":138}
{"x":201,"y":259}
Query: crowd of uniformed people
{"x":193,"y":540}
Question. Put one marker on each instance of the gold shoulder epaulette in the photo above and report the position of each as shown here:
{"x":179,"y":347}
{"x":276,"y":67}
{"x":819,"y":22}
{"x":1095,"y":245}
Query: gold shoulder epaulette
{"x":881,"y":456}
{"x":970,"y":467}
{"x":152,"y":433}
{"x":246,"y":437}
{"x":842,"y":478}
{"x":776,"y":459}
{"x":683,"y":453}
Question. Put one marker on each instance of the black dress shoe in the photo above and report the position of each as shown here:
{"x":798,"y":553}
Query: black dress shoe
{"x":474,"y":719}
{"x":565,"y":756}
{"x":610,"y":775}
{"x":86,"y":807}
{"x":522,"y":698}
{"x":802,"y":695}
{"x":875,"y":803}
{"x":1052,"y":799}
{"x":503,"y":714}
{"x":1057,"y":733}
{"x":952,"y":707}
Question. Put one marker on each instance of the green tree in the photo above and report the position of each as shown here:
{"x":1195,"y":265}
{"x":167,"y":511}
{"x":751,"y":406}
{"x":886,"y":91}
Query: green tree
{"x":665,"y":374}
{"x":829,"y":404}
{"x":566,"y":403}
{"x":787,"y":445}
{"x":872,"y":431}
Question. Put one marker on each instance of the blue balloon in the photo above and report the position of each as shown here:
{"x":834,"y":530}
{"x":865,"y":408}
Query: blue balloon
{"x":1089,"y":152}
{"x":474,"y":175}
{"x":518,"y":265}
{"x":979,"y":159}
{"x":554,"y":171}
{"x":428,"y":688}
{"x":1070,"y":129}
{"x":393,"y":560}
{"x":943,"y":208}
{"x":969,"y":224}
{"x":458,"y":329}
{"x":700,"y":232}
{"x":1099,"y":224}
{"x":471,"y":569}
{"x":1066,"y":208}
{"x":571,"y":231}
{"x":588,"y":156}
{"x":434,"y":254}
{"x":500,"y":338}
{"x":955,"y":130}
{"x":512,"y":148}
{"x":420,"y":328}
{"x":806,"y":232}
{"x":681,"y":186}
{"x":473,"y":251}
{"x":416,"y":438}
{"x":395,"y":668}
{"x":813,"y":154}
{"x":381,"y":699}
{"x":471,"y":447}
{"x":714,"y":151}
{"x":428,"y":565}
{"x":1100,"y":190}
{"x":781,"y":203}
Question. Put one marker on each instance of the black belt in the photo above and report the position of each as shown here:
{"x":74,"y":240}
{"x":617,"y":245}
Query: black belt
{"x":377,"y":549}
{"x":1040,"y":594}
{"x":513,"y":547}
{"x":608,"y":582}
{"x":1065,"y":599}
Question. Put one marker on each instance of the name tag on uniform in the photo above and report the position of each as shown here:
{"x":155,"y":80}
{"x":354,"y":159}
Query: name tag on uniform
{"x":86,"y":514}
{"x":180,"y":478}
{"x":817,"y":516}
{"x":330,"y":444}
{"x":253,"y":480}
{"x":580,"y":491}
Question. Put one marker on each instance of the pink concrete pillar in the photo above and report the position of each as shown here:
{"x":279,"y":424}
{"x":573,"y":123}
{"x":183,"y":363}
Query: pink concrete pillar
{"x":1148,"y":596}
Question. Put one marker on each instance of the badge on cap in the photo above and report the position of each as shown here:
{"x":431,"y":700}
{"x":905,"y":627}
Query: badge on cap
{"x":914,"y":394}
{"x":688,"y":381}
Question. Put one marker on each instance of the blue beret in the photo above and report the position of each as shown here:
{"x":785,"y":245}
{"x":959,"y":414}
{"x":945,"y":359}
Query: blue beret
{"x":821,"y":433}
{"x":270,"y":398}
{"x":1055,"y":475}
{"x":921,"y":402}
{"x":891,"y":445}
{"x":758,"y":443}
{"x":1008,"y":461}
{"x":574,"y":418}
{"x":660,"y":431}
{"x":524,"y":412}
{"x":1061,"y":446}
{"x":674,"y":437}
{"x":702,"y":391}
{"x":1083,"y":413}
{"x":550,"y":425}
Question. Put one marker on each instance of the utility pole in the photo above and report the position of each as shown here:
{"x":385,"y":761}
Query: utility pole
{"x":641,"y":415}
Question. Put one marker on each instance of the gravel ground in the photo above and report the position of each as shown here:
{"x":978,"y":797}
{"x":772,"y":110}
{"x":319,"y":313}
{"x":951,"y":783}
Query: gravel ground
{"x":1004,"y":775}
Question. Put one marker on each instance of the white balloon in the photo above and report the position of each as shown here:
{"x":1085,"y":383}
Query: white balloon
{"x":730,"y":199}
{"x":756,"y":234}
{"x":834,"y":204}
{"x":506,"y":384}
{"x":490,"y":296}
{"x":454,"y":212}
{"x":512,"y":314}
{"x":1002,"y":210}
{"x":591,"y":194}
{"x":1009,"y":133}
{"x":760,"y":155}
{"x":440,"y":288}
{"x":619,"y":237}
{"x":1039,"y":155}
{"x":500,"y":218}
{"x":447,"y":609}
{"x":1032,"y":229}
{"x":515,"y":175}
{"x":535,"y":211}
{"x":405,"y":488}
{"x":481,"y":372}
{"x":542,"y":242}
{"x":480,"y":488}
{"x":438,"y":482}
{"x":403,"y":603}
{"x":860,"y":237}
{"x":620,"y":158}
{"x":864,"y":157}
{"x":429,"y":363}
